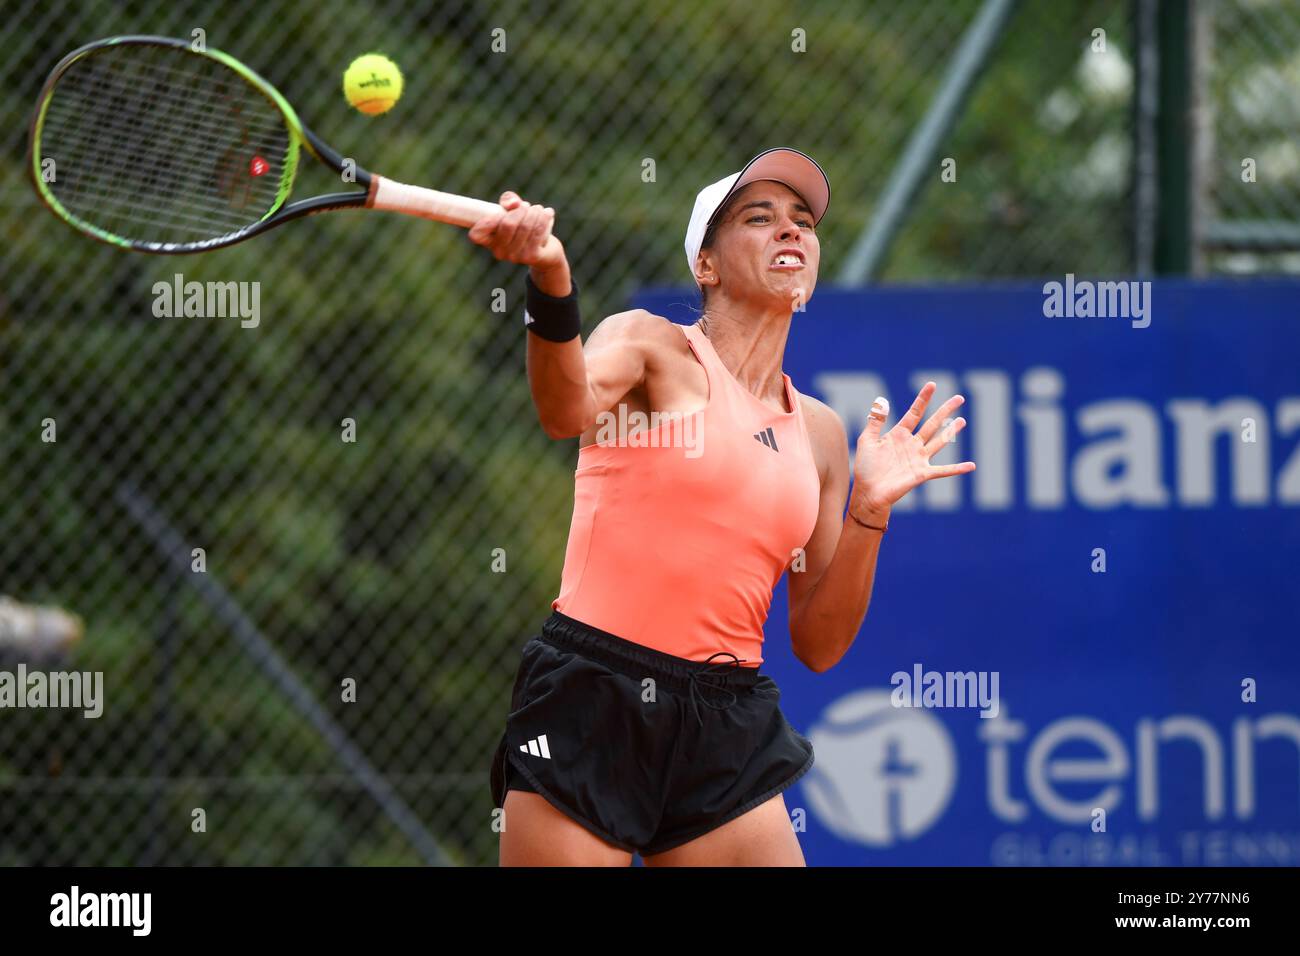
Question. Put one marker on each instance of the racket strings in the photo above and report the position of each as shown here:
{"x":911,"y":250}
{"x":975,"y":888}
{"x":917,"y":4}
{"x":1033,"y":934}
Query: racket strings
{"x":123,"y":144}
{"x":156,"y":144}
{"x":211,"y":212}
{"x":192,"y":134}
{"x":169,"y":201}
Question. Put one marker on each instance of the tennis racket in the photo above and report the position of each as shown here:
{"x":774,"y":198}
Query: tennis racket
{"x":151,"y":145}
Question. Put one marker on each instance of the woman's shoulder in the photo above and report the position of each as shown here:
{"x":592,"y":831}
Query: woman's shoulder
{"x":638,"y":324}
{"x":819,"y":415}
{"x":826,"y":432}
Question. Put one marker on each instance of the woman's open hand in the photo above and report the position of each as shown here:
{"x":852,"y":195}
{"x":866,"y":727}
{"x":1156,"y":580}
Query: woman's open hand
{"x":888,"y":466}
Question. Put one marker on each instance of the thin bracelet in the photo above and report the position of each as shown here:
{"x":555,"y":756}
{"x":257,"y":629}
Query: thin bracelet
{"x":865,"y":525}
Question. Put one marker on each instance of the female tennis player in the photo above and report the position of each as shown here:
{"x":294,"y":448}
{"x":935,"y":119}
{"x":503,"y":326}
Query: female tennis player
{"x":639,"y":720}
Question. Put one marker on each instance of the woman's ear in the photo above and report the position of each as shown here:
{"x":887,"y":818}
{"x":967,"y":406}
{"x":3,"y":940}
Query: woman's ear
{"x":705,"y":274}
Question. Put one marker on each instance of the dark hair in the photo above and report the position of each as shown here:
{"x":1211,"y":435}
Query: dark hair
{"x":710,"y":236}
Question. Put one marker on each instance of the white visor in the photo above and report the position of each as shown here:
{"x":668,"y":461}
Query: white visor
{"x":797,"y":170}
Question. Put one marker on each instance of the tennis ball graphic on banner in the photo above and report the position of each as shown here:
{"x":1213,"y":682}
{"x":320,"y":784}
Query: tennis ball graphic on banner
{"x":883,"y":773}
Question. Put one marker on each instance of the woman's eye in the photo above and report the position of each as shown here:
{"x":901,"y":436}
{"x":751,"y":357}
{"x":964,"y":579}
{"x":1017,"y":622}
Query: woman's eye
{"x":756,"y":218}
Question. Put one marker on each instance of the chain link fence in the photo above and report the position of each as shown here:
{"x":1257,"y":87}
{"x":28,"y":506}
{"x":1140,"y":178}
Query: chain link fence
{"x":1250,"y":182}
{"x":307,"y":551}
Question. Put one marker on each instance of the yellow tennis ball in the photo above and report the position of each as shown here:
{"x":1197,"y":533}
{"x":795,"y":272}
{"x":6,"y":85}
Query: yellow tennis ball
{"x":372,"y":83}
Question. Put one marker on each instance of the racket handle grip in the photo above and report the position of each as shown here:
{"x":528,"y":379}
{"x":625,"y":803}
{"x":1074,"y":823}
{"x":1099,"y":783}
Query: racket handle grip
{"x":427,"y":203}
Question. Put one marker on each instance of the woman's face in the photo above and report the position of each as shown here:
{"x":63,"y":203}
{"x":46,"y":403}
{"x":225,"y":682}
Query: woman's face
{"x":766,"y":245}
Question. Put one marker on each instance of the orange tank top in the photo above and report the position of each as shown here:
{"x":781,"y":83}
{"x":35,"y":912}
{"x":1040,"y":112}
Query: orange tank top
{"x":682,"y":529}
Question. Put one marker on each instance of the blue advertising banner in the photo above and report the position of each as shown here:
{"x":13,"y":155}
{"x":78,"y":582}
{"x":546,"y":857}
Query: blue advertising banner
{"x":1097,"y":633}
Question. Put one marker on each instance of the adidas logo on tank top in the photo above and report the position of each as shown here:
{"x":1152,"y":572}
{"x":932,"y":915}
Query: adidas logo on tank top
{"x":681,"y":552}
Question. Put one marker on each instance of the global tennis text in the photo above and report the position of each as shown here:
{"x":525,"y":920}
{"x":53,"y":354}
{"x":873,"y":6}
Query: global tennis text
{"x":103,"y":909}
{"x":1102,"y":300}
{"x":212,"y":300}
{"x":655,"y":429}
{"x":885,"y":775}
{"x":946,"y":689}
{"x":57,"y":690}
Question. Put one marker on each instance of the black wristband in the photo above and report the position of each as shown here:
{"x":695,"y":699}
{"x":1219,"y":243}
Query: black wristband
{"x":548,"y":317}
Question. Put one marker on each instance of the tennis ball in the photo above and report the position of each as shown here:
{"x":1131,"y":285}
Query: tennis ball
{"x":372,"y":83}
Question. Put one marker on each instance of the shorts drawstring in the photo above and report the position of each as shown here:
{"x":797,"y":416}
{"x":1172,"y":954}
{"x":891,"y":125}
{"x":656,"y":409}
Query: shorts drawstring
{"x":706,"y":676}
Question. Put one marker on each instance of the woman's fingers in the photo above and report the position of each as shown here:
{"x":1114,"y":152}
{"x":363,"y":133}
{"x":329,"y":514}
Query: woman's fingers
{"x":544,"y":233}
{"x":913,"y":416}
{"x":876,"y":420}
{"x":518,"y":232}
{"x":507,"y":228}
{"x":521,"y":232}
{"x":935,"y":444}
{"x":933,"y":423}
{"x":482,"y":231}
{"x":521,"y":241}
{"x":947,"y":471}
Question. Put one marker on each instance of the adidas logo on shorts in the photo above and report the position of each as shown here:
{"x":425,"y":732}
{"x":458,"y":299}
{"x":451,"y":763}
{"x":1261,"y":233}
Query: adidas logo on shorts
{"x":537,"y":747}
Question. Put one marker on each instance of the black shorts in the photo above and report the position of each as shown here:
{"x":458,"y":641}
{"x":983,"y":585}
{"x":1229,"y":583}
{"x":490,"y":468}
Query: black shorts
{"x":646,"y":750}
